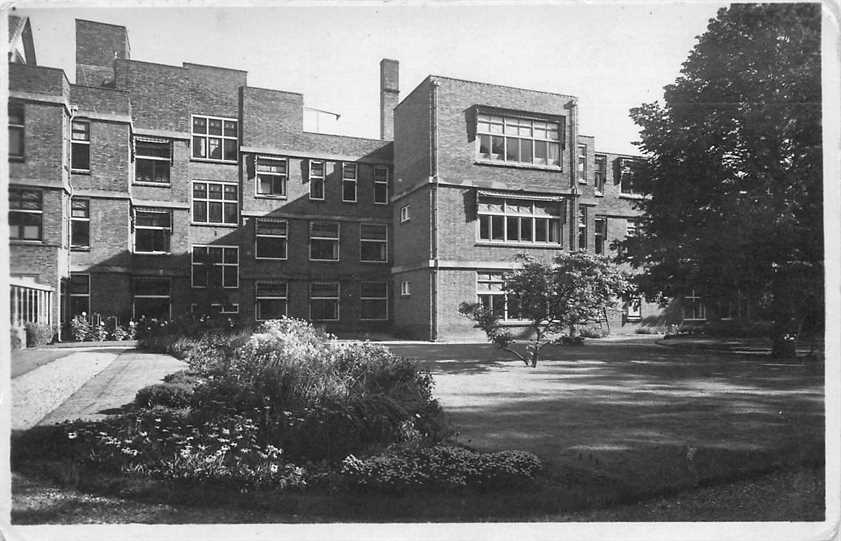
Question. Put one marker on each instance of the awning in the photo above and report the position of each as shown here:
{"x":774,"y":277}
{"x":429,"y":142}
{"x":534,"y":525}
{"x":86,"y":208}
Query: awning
{"x":148,"y":139}
{"x":521,"y":195}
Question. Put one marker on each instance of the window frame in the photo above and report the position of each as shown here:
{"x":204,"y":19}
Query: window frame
{"x":222,"y":310}
{"x":581,"y":163}
{"x":404,"y":214}
{"x":583,"y":232}
{"x":599,"y":234}
{"x":600,"y":173}
{"x":633,"y":309}
{"x":354,"y":180}
{"x":17,"y":110}
{"x":363,"y":240}
{"x":503,"y":120}
{"x":377,"y":299}
{"x":337,"y":240}
{"x":136,"y":227}
{"x":258,"y":235}
{"x":381,"y":182}
{"x":207,"y":201}
{"x":506,"y":214}
{"x":223,"y":264}
{"x":625,"y":172}
{"x":155,"y":160}
{"x":337,"y":299}
{"x":258,"y":297}
{"x":699,"y":308}
{"x":207,"y":136}
{"x":494,"y":277}
{"x":283,"y":177}
{"x":405,"y":288}
{"x":86,"y":220}
{"x":86,"y":295}
{"x":134,"y":294}
{"x":86,"y":143}
{"x":39,"y":212}
{"x":321,"y":179}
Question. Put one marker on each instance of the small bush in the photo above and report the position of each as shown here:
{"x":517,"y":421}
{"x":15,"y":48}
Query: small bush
{"x":184,"y":377}
{"x":81,"y":328}
{"x":593,"y":332}
{"x":170,"y":395}
{"x":18,"y":338}
{"x":38,"y":334}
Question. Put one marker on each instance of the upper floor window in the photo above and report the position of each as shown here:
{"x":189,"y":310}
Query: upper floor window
{"x":373,"y":242}
{"x":600,"y":233}
{"x":215,"y":266}
{"x":519,"y":220}
{"x":316,"y":178}
{"x":380,"y":185}
{"x":519,"y":140}
{"x":582,"y":164}
{"x":80,"y":146}
{"x":626,"y":176}
{"x":80,"y":223}
{"x":152,"y":160}
{"x":152,"y":230}
{"x":270,"y":238}
{"x":215,"y":138}
{"x":404,"y":213}
{"x":600,"y":174}
{"x":324,"y":241}
{"x":16,"y":130}
{"x":349,"y":173}
{"x":271,"y":177}
{"x":214,"y":203}
{"x":26,"y":214}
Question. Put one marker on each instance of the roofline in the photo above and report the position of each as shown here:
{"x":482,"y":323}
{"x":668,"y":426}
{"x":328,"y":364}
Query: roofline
{"x":503,"y":86}
{"x":383,"y":141}
{"x":185,"y":64}
{"x":102,"y":23}
{"x":148,"y":62}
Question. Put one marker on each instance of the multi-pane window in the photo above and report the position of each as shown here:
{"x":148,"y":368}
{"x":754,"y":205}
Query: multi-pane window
{"x":215,"y":138}
{"x":626,"y":176}
{"x":80,"y":146}
{"x":272,"y":300}
{"x":151,"y":298}
{"x":599,"y":233}
{"x":214,"y":203}
{"x":582,"y":228}
{"x":373,"y":242}
{"x":380,"y":185}
{"x":152,"y":160}
{"x":316,"y":178}
{"x":271,"y":177}
{"x":520,"y":220}
{"x":633,"y":309}
{"x":16,"y":130}
{"x":600,"y":174}
{"x":582,"y":164}
{"x":152,"y":230}
{"x":631,"y":227}
{"x":489,"y":289}
{"x":404,"y":213}
{"x":26,"y":214}
{"x":80,"y":294}
{"x":228,"y":308}
{"x":693,"y":307}
{"x":405,"y":288}
{"x":80,"y":223}
{"x":324,"y":301}
{"x":373,"y":297}
{"x":270,"y":238}
{"x":324,"y":241}
{"x":519,"y":140}
{"x":215,"y":266}
{"x":349,"y":173}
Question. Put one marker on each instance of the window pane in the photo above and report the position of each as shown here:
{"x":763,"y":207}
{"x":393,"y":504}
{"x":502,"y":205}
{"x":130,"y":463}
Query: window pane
{"x":79,"y":208}
{"x":80,"y":156}
{"x":214,"y":148}
{"x":512,"y":150}
{"x":151,"y":286}
{"x":271,"y":247}
{"x":230,"y":128}
{"x":349,"y":171}
{"x":485,"y":146}
{"x":230,"y":150}
{"x":540,"y":152}
{"x":271,"y":289}
{"x":230,"y":276}
{"x":324,"y":249}
{"x":525,"y":150}
{"x":214,"y":126}
{"x":271,"y":308}
{"x":484,"y":227}
{"x":151,"y":240}
{"x":79,"y":284}
{"x":231,"y":255}
{"x":525,"y":229}
{"x":150,"y":218}
{"x":80,"y":233}
{"x":215,"y":214}
{"x":380,"y":192}
{"x":540,"y":229}
{"x":317,"y":189}
{"x":16,"y":141}
{"x":79,"y":305}
{"x":154,"y":150}
{"x":199,"y":211}
{"x":199,"y":125}
{"x":325,"y":229}
{"x":373,"y":251}
{"x":230,"y":213}
{"x":554,"y":231}
{"x":554,"y":156}
{"x":271,"y":227}
{"x":324,"y":309}
{"x":513,"y":228}
{"x":199,"y":276}
{"x":349,"y":190}
{"x":497,"y":225}
{"x":199,"y":147}
{"x":80,"y":131}
{"x":316,"y":169}
{"x":497,"y":148}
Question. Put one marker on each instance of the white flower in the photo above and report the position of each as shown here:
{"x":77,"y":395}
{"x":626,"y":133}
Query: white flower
{"x":72,"y":435}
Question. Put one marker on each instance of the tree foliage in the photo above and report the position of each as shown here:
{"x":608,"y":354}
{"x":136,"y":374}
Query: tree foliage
{"x":733,"y":169}
{"x":553,"y":298}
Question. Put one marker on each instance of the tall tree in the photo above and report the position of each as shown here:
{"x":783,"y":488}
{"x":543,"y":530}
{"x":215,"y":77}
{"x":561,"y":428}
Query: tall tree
{"x":733,"y":169}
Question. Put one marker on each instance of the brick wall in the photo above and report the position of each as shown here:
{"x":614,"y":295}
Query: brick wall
{"x":109,"y":158}
{"x":43,"y":144}
{"x":37,"y":80}
{"x":411,"y":313}
{"x":160,"y":94}
{"x":214,"y":91}
{"x":110,"y":237}
{"x":411,"y":139}
{"x":269,"y":115}
{"x":100,"y":100}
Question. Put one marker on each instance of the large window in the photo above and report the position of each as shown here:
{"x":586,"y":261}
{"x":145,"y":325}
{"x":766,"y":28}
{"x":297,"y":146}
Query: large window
{"x":80,"y":294}
{"x":26,"y":214}
{"x":80,"y":146}
{"x":373,"y":297}
{"x":582,"y":227}
{"x":582,"y":164}
{"x":324,"y":301}
{"x":152,"y":230}
{"x":270,"y":238}
{"x":693,"y":307}
{"x":626,"y":176}
{"x":271,"y":177}
{"x":600,"y":233}
{"x":215,"y":138}
{"x":215,"y":266}
{"x":16,"y":130}
{"x":80,"y":223}
{"x":316,"y":179}
{"x":492,"y":297}
{"x":380,"y":185}
{"x":600,"y":174}
{"x":349,"y":176}
{"x":520,"y":220}
{"x":215,"y":203}
{"x":152,"y":160}
{"x":519,"y":140}
{"x":272,"y":300}
{"x":324,"y":241}
{"x":373,"y":242}
{"x":151,"y":298}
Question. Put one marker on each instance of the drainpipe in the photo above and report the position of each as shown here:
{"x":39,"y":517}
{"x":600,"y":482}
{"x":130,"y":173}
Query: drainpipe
{"x":433,"y":212}
{"x":572,"y":106}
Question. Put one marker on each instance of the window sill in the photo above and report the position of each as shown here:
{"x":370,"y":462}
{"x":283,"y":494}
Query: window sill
{"x":518,"y":165}
{"x":31,"y":242}
{"x":209,"y":160}
{"x":325,"y":260}
{"x":598,"y":193}
{"x":152,"y":184}
{"x":582,"y":181}
{"x":381,"y":204}
{"x":520,"y":245}
{"x":377,"y":319}
{"x":350,"y":202}
{"x":80,"y":248}
{"x":271,"y":258}
{"x":153,"y":253}
{"x":631,"y":196}
{"x":80,"y":171}
{"x":374,"y":262}
{"x":17,"y":159}
{"x":316,"y":199}
{"x":267,"y":196}
{"x":204,"y":224}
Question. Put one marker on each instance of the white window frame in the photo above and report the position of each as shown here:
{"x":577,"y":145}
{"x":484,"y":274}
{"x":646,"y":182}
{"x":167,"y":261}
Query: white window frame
{"x":337,"y":298}
{"x":207,"y":136}
{"x":494,"y":277}
{"x":583,"y":230}
{"x":84,"y":142}
{"x":490,"y":125}
{"x":581,"y":166}
{"x":139,"y":157}
{"x":405,"y":288}
{"x":39,"y":212}
{"x":381,"y":181}
{"x":698,"y":301}
{"x":137,"y":227}
{"x":336,"y":239}
{"x":258,"y":235}
{"x":633,"y":309}
{"x":600,"y":174}
{"x":284,"y":177}
{"x":258,"y":297}
{"x":363,"y":240}
{"x":507,"y":205}
{"x":354,"y":179}
{"x":321,"y":179}
{"x":87,"y":295}
{"x":85,"y":219}
{"x":378,"y":299}
{"x":18,"y":127}
{"x":404,"y":214}
{"x":207,"y":201}
{"x":194,"y":263}
{"x":134,"y":295}
{"x":222,"y":308}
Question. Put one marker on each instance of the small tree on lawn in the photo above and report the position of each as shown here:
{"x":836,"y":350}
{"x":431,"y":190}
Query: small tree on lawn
{"x":553,"y":298}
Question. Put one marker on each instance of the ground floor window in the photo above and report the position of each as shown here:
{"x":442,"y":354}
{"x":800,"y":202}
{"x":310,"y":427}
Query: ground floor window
{"x":151,"y":298}
{"x":324,"y":301}
{"x":272,"y":300}
{"x":80,"y":294}
{"x":374,"y":300}
{"x":693,"y":307}
{"x":215,"y":266}
{"x":152,"y":230}
{"x":492,"y":297}
{"x":633,"y":309}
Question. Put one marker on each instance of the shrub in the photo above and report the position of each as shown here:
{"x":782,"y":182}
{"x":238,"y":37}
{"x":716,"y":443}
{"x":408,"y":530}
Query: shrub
{"x":99,"y":332}
{"x":18,"y":338}
{"x":119,"y":332}
{"x":170,"y":395}
{"x":81,"y":328}
{"x":38,"y":334}
{"x":593,"y":332}
{"x":184,"y":377}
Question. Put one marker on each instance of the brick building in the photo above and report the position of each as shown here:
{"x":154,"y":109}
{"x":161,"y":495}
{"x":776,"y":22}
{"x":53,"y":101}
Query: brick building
{"x":157,"y":190}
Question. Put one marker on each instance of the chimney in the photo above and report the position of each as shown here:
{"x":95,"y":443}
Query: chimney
{"x":389,"y":96}
{"x":97,"y":46}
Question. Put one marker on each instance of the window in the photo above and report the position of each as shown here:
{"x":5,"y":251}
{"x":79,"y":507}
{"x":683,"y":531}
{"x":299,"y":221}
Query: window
{"x":316,"y":177}
{"x":230,"y":308}
{"x":80,"y":146}
{"x":270,"y":241}
{"x":373,"y":242}
{"x":80,"y":294}
{"x":26,"y":214}
{"x":373,"y":297}
{"x":215,"y":266}
{"x":633,"y":309}
{"x":380,"y":185}
{"x":151,"y":298}
{"x":404,"y":213}
{"x":600,"y":174}
{"x":324,"y":241}
{"x":626,"y":176}
{"x":152,"y":160}
{"x":582,"y":164}
{"x":519,"y":220}
{"x":519,"y":140}
{"x":693,"y":307}
{"x":215,"y":138}
{"x":600,"y":233}
{"x":271,"y":177}
{"x":214,"y":203}
{"x":489,"y":289}
{"x":80,"y":223}
{"x":582,"y":228}
{"x":16,"y":130}
{"x":405,"y":288}
{"x":349,"y":171}
{"x":152,"y":230}
{"x":631,"y":227}
{"x":272,"y":300}
{"x":324,"y":301}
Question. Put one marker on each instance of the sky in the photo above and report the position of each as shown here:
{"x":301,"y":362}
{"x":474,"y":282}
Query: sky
{"x":612,"y":56}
